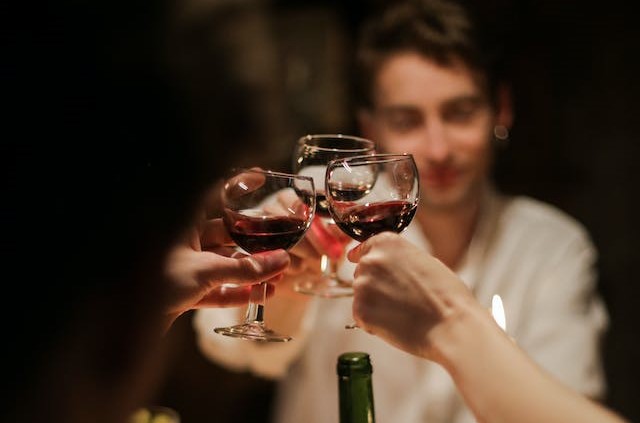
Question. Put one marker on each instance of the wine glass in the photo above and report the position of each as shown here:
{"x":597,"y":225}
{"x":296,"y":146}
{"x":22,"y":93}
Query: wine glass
{"x":263,"y":211}
{"x":367,"y":195}
{"x":312,"y":154}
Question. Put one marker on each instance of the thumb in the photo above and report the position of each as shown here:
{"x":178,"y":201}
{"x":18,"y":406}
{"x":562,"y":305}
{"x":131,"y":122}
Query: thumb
{"x":249,"y":269}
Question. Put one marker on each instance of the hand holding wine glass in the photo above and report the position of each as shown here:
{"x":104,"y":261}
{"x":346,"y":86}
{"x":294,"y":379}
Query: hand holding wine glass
{"x":367,"y":195}
{"x":256,"y":220}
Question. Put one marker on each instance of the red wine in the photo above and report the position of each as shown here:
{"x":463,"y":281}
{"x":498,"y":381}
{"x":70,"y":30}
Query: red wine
{"x":264,"y":233}
{"x":363,"y":221}
{"x":331,"y":243}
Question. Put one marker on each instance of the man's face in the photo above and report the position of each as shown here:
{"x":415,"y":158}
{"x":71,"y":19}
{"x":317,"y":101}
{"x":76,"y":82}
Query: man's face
{"x":442,"y":117}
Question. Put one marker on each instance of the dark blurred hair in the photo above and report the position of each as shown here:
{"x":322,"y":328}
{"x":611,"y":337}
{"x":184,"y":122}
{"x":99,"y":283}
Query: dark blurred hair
{"x":211,"y":51}
{"x":440,"y":30}
{"x":107,"y":149}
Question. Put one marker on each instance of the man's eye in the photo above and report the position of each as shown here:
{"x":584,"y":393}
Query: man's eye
{"x":403,"y":123}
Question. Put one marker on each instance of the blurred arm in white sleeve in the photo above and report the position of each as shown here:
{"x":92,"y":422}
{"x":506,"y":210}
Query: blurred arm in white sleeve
{"x":566,"y":319}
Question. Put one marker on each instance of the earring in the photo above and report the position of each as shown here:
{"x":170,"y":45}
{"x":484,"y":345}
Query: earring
{"x":501,"y":135}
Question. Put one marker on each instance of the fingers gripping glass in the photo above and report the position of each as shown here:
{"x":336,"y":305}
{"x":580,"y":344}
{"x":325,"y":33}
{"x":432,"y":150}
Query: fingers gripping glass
{"x":313,"y":153}
{"x":265,"y":211}
{"x":368,"y":195}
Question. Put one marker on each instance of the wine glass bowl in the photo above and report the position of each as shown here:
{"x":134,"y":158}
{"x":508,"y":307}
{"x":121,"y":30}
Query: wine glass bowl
{"x":312,"y":154}
{"x":370,"y":194}
{"x":264,"y":211}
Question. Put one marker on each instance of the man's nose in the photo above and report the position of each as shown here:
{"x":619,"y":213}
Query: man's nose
{"x":435,"y":145}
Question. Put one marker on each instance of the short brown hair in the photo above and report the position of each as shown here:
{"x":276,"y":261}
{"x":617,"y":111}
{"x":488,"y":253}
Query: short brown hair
{"x":441,"y":30}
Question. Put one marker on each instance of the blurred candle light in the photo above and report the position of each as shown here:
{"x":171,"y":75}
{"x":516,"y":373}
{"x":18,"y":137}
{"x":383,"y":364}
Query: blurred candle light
{"x":497,"y":311}
{"x":324,"y":263}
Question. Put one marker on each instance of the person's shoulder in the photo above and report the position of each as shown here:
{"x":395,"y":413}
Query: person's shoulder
{"x":539,"y":219}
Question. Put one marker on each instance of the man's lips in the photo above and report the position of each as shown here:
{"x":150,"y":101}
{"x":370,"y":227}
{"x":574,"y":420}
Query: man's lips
{"x":441,"y":177}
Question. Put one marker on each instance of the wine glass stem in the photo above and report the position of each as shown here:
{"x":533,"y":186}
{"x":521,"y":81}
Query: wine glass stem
{"x":326,"y":266}
{"x":257,"y":298}
{"x":330,"y":268}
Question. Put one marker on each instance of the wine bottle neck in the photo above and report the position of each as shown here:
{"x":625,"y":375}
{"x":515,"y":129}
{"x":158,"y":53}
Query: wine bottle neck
{"x":356,"y":399}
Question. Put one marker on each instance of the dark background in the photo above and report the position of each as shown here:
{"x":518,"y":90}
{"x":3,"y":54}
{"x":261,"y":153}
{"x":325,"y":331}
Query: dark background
{"x":574,"y":144}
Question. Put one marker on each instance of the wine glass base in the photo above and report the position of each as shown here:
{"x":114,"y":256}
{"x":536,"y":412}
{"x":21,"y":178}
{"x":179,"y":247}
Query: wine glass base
{"x":253,"y":332}
{"x":324,"y":287}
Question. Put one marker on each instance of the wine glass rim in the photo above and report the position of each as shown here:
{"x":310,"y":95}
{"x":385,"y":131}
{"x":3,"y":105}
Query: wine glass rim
{"x":374,"y":158}
{"x":270,"y":172}
{"x":302,"y":140}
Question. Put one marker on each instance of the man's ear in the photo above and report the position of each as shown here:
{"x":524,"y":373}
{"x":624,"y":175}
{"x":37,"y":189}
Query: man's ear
{"x":504,"y":106}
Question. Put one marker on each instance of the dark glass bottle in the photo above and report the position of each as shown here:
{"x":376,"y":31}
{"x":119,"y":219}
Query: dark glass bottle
{"x":355,"y":388}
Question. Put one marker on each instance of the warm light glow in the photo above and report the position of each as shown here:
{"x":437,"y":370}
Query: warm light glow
{"x":324,"y":262}
{"x":497,"y":311}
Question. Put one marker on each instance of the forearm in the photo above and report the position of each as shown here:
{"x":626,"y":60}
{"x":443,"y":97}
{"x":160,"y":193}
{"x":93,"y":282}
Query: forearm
{"x":499,"y":382}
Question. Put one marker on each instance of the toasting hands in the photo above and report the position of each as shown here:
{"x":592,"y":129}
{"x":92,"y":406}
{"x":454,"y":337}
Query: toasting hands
{"x":402,"y":294}
{"x":206,"y":271}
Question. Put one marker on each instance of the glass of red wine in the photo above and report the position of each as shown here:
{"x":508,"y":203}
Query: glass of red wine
{"x":367,"y":195}
{"x":312,"y":154}
{"x":263,"y":211}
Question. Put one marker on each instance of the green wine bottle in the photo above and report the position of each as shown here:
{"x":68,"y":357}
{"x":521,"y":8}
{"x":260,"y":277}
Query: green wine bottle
{"x":355,"y":388}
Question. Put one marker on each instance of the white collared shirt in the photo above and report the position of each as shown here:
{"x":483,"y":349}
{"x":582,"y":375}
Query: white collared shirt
{"x":538,"y":259}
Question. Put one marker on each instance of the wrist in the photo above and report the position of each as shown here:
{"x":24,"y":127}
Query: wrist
{"x":465,"y":327}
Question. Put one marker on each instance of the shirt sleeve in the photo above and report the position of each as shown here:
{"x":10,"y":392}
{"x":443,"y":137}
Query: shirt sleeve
{"x":568,"y":319}
{"x":270,"y":360}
